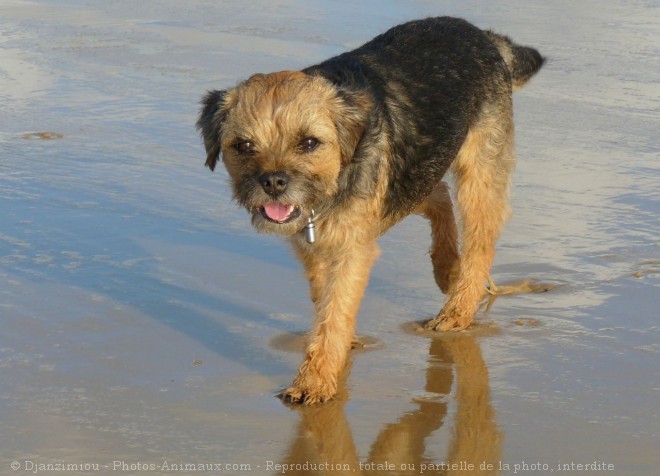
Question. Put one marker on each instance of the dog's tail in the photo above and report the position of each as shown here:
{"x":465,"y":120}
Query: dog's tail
{"x":523,"y":61}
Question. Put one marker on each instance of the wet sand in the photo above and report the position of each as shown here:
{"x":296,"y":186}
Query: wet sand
{"x":146,"y":326}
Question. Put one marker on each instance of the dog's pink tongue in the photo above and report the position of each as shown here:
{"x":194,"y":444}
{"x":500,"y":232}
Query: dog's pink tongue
{"x":277,"y":211}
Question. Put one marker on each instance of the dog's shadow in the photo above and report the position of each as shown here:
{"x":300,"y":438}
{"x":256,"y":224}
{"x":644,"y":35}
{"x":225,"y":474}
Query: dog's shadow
{"x":324,"y":442}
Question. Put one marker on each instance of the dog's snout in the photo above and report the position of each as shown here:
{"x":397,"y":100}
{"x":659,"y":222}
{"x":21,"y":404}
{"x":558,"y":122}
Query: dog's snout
{"x":274,"y":183}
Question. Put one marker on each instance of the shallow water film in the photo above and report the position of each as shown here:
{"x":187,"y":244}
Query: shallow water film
{"x":146,"y":328}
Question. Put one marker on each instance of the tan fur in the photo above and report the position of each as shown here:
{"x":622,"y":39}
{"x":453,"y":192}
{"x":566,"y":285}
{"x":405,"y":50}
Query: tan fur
{"x":444,"y":249}
{"x":483,"y":171}
{"x":273,"y":111}
{"x":352,"y":145}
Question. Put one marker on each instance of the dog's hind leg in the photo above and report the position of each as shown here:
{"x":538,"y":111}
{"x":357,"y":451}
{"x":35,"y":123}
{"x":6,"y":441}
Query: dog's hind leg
{"x":444,"y":248}
{"x":483,"y":170}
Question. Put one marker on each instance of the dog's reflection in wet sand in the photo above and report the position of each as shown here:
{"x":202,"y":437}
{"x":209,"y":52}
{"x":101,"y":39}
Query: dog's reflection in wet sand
{"x":325,"y":442}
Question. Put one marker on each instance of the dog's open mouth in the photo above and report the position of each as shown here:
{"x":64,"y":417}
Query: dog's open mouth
{"x":279,"y":212}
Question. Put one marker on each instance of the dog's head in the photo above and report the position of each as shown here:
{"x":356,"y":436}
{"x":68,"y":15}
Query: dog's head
{"x":283,"y":138}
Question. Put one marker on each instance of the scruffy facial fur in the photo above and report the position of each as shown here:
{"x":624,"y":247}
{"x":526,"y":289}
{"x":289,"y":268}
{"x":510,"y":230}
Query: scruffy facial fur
{"x":359,"y":142}
{"x":277,"y":113}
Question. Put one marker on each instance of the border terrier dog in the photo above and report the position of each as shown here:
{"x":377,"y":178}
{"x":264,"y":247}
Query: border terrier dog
{"x":334,"y":155}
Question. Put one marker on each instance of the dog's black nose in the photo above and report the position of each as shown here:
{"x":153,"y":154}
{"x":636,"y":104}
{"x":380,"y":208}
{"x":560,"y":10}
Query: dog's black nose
{"x":274,"y":183}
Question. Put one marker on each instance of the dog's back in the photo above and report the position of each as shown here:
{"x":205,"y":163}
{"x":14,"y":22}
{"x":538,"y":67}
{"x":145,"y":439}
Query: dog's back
{"x":429,"y":79}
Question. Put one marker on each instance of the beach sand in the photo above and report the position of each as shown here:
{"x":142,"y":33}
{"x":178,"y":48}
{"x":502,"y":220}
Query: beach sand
{"x":145,"y":325}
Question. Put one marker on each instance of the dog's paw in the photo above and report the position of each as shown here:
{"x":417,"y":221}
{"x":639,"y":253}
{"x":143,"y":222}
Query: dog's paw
{"x":450,"y":319}
{"x":443,"y":324}
{"x":296,"y":395}
{"x":292,"y":395}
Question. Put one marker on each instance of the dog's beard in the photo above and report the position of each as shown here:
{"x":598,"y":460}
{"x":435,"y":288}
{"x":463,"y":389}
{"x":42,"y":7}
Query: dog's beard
{"x":284,"y":214}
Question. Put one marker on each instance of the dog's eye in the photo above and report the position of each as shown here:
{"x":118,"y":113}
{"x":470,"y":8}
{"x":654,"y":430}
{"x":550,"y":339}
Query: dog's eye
{"x":308,"y":144}
{"x":244,"y":147}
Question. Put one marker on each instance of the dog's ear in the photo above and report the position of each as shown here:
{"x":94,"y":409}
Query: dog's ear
{"x":211,"y":118}
{"x":351,"y":119}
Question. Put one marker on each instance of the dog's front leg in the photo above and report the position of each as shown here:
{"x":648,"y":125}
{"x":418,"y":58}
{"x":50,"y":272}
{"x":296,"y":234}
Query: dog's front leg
{"x":338,"y":278}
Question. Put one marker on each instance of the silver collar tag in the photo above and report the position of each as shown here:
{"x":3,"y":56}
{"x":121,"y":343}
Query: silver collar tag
{"x":310,"y":232}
